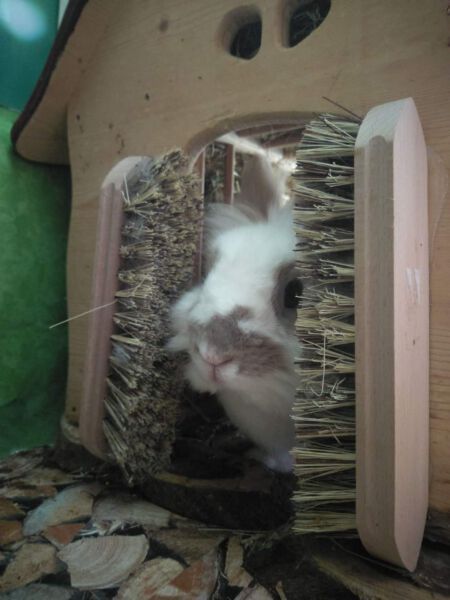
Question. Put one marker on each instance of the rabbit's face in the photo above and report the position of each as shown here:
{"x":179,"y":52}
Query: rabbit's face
{"x":237,"y":348}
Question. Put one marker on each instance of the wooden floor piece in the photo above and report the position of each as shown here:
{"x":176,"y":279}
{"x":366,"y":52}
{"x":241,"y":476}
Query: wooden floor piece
{"x":365,"y":580}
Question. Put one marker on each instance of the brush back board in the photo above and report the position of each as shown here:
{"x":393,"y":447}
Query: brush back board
{"x":392,"y":324}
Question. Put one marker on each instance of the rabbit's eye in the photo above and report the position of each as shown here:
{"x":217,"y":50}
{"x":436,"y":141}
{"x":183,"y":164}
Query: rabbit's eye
{"x":292,"y":293}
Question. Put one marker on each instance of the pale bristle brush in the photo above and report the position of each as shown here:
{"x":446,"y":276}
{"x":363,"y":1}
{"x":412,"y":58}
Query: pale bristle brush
{"x":362,"y":406}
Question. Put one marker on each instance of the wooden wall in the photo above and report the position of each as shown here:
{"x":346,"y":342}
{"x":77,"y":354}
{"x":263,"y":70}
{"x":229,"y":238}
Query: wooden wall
{"x":160,"y":75}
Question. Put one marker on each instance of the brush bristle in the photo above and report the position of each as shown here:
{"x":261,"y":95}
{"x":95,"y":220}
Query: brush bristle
{"x":324,"y":410}
{"x":163,"y":215}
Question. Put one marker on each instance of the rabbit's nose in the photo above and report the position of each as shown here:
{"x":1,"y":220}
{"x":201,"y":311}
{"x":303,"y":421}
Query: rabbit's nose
{"x":212,"y":357}
{"x":216,"y":361}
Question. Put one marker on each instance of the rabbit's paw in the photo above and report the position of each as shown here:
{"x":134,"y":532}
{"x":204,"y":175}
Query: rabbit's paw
{"x":280,"y":461}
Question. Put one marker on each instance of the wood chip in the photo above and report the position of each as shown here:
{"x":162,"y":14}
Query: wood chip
{"x":9,"y":510}
{"x":366,"y":581}
{"x":280,"y":591}
{"x":196,"y":582}
{"x":72,"y":504}
{"x":30,"y":563}
{"x":234,"y":571}
{"x":120,"y":509}
{"x":99,"y":563}
{"x":10,"y":531}
{"x":40,"y":591}
{"x":151,"y":577}
{"x":256,"y":592}
{"x":17,"y":490}
{"x":18,"y":464}
{"x":186,"y":543}
{"x":61,"y":535}
{"x":433,"y":568}
{"x":46,"y":476}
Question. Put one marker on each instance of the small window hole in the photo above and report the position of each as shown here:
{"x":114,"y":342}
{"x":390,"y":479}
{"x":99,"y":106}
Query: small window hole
{"x":302,"y":18}
{"x":242,"y":32}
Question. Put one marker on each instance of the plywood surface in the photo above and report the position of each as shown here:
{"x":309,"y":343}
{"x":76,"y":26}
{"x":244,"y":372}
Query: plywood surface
{"x":160,"y":76}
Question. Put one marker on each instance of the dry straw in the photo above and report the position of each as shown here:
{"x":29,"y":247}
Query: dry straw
{"x":324,"y":410}
{"x":162,"y":220}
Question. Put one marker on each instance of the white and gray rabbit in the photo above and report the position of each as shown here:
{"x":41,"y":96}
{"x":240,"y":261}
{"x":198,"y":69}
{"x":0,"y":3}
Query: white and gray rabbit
{"x":238,"y":325}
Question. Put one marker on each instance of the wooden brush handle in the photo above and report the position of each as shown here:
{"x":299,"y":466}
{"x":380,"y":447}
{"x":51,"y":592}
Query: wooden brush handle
{"x":392,"y":354}
{"x":104,"y":288}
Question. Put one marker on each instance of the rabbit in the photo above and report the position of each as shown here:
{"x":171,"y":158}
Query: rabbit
{"x":238,"y":325}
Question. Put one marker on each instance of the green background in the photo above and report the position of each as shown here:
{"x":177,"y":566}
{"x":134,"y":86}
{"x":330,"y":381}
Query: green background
{"x":22,"y":55}
{"x":34,"y":215}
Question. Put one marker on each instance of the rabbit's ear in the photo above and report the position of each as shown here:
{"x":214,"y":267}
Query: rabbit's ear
{"x":262,"y":186}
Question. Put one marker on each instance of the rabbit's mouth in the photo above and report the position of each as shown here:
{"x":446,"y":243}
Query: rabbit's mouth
{"x":214,"y":366}
{"x":217,"y":370}
{"x":203,"y":378}
{"x":216,"y":373}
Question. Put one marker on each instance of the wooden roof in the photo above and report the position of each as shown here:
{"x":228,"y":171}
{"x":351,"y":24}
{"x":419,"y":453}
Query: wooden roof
{"x":40,"y":132}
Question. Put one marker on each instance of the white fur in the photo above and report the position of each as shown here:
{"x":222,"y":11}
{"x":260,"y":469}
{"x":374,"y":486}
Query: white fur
{"x":247,"y":254}
{"x":248,"y":258}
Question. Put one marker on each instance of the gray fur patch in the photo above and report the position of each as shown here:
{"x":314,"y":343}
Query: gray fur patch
{"x":260,"y":355}
{"x":254,"y":353}
{"x":224,"y":333}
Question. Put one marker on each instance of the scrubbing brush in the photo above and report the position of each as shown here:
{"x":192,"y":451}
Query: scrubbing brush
{"x":364,"y":330}
{"x":147,"y":244}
